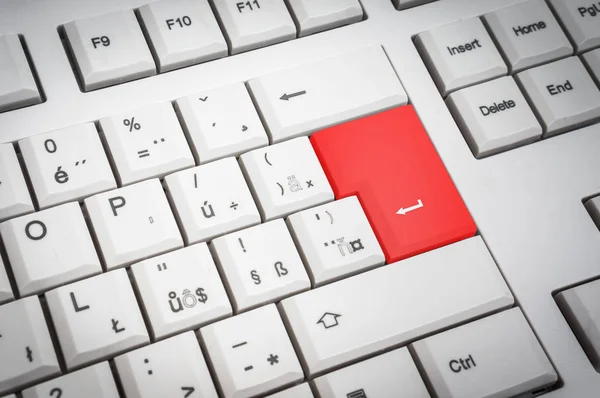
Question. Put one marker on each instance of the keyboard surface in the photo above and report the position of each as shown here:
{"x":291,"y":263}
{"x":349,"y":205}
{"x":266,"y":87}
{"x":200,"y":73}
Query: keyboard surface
{"x":527,"y":202}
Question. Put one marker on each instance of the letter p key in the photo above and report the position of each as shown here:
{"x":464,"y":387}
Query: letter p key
{"x":116,"y":203}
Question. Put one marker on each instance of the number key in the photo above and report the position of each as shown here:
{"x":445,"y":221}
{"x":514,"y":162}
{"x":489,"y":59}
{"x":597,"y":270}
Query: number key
{"x":68,"y":164}
{"x":93,"y":382}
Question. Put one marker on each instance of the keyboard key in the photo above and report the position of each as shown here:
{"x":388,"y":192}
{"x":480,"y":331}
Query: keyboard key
{"x":335,"y":240}
{"x":593,"y":207}
{"x":255,"y":23}
{"x":260,"y":265}
{"x":170,"y":368}
{"x":494,"y":116}
{"x":495,"y":356}
{"x":299,"y":391}
{"x":393,"y":374}
{"x":221,"y":122}
{"x":312,"y":16}
{"x":109,"y":49}
{"x":182,"y":33}
{"x":528,"y":34}
{"x":286,"y":178}
{"x":146,"y":143}
{"x":388,"y":161}
{"x":6,"y":293}
{"x":403,"y":4}
{"x":96,"y":318}
{"x":26,"y":351}
{"x":581,"y":306}
{"x":17,"y":84}
{"x":14,"y":196}
{"x":592,"y":59}
{"x":563,"y":93}
{"x":582,"y":21}
{"x":94,"y":382}
{"x":133,"y":223}
{"x":211,"y":200}
{"x":460,"y":54}
{"x":49,"y":248}
{"x":180,"y":291}
{"x":251,"y":353}
{"x":66,"y":165}
{"x":310,"y":97}
{"x":337,"y":323}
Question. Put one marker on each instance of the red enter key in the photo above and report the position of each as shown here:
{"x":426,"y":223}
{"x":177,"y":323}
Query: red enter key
{"x":388,"y":161}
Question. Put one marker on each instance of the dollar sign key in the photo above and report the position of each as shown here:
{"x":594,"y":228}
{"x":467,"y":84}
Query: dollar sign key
{"x":202,"y":297}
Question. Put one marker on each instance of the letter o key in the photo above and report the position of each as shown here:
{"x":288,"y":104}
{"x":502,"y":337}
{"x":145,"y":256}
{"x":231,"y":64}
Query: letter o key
{"x":39,"y":236}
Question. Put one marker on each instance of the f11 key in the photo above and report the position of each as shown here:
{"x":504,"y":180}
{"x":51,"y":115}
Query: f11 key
{"x":388,"y":161}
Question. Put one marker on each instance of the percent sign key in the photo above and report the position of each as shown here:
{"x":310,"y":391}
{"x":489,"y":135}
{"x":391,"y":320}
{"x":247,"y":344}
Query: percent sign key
{"x":132,"y":124}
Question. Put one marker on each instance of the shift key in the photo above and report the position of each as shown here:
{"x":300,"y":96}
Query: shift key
{"x":390,"y":306}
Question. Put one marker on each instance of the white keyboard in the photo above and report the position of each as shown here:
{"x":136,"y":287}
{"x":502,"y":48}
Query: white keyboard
{"x":299,"y":198}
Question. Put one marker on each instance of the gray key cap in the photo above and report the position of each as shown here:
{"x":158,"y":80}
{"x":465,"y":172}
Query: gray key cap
{"x":498,"y":356}
{"x":460,"y":54}
{"x":528,"y":34}
{"x":17,"y":85}
{"x":581,"y":19}
{"x":581,"y":307}
{"x":109,"y":49}
{"x":494,"y":116}
{"x":593,"y":206}
{"x":563,"y":93}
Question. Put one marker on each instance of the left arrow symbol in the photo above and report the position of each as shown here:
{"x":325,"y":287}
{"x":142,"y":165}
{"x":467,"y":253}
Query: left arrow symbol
{"x":188,"y":391}
{"x":286,"y":97}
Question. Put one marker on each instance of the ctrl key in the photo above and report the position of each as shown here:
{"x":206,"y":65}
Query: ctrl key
{"x":498,"y":356}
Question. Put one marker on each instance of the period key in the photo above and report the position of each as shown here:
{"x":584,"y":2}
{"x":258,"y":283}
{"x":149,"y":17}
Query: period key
{"x":388,"y":161}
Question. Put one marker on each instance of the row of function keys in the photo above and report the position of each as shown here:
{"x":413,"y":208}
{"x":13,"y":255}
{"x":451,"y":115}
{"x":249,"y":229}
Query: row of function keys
{"x":330,"y":326}
{"x":494,"y":115}
{"x":111,"y":49}
{"x":114,"y":48}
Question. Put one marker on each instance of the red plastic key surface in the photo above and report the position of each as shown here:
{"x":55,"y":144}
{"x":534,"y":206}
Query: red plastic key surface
{"x":388,"y":161}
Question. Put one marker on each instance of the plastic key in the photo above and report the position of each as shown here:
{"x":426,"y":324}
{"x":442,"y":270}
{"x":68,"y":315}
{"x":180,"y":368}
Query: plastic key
{"x":26,"y":352}
{"x":388,"y":161}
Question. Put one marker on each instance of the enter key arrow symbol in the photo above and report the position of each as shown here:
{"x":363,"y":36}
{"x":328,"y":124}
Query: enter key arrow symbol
{"x":403,"y":211}
{"x":188,"y":391}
